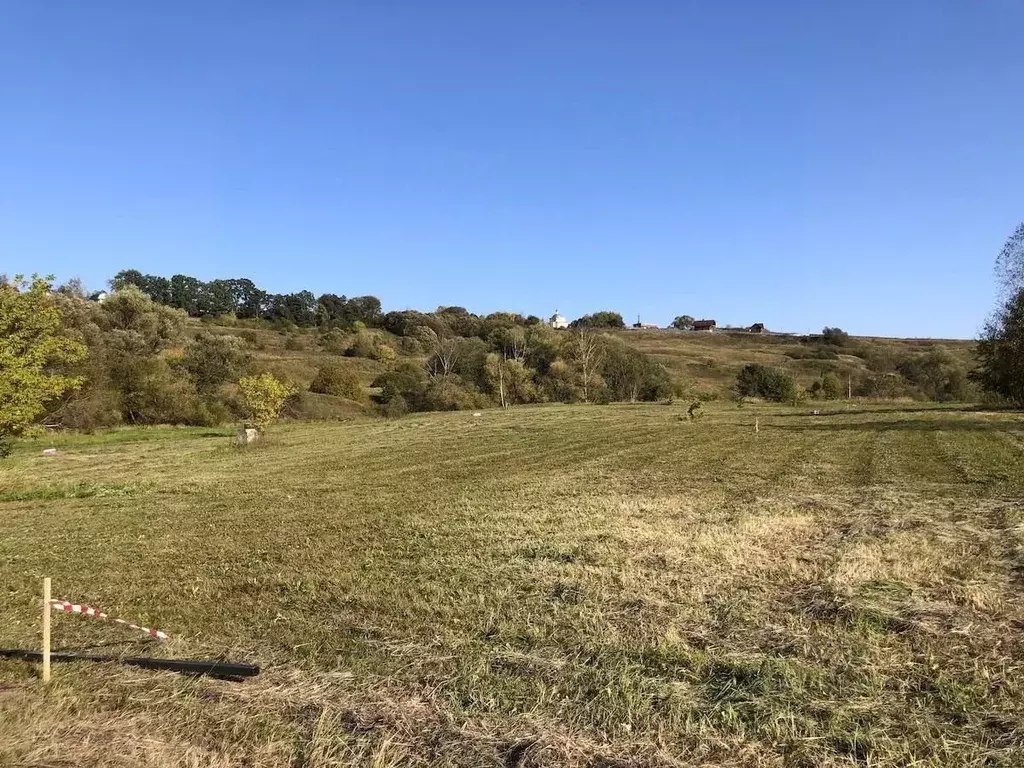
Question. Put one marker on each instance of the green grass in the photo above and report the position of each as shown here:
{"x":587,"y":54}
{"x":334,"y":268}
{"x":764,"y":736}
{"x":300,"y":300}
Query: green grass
{"x":555,"y":585}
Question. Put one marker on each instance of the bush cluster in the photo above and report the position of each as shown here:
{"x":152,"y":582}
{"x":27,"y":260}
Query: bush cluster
{"x":335,"y":378}
{"x":756,"y":380}
{"x":142,"y":367}
{"x":522,"y":364}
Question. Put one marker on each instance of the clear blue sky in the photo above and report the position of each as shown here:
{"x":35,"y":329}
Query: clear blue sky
{"x":793,"y":163}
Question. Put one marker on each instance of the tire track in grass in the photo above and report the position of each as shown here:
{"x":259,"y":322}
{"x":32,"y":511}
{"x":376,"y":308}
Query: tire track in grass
{"x":993,"y":458}
{"x":949,"y":449}
{"x":861,"y":468}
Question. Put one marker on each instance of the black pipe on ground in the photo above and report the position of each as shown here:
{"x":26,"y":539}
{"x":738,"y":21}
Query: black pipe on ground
{"x":222,"y":670}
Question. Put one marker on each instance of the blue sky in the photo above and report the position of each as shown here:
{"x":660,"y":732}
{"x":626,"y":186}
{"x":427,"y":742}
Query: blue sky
{"x":792,"y":163}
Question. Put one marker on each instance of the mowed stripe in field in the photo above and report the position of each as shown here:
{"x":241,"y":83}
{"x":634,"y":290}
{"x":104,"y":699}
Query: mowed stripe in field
{"x":619,"y":578}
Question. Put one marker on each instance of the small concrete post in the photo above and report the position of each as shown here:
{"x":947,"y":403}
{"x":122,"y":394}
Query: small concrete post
{"x":246,"y":436}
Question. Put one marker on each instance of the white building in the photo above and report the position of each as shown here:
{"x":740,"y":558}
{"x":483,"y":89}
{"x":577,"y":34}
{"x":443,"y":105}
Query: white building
{"x":559,"y":322}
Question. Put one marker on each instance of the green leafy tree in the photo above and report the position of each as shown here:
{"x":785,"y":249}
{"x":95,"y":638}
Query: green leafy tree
{"x":509,"y":380}
{"x":937,"y":375}
{"x":32,"y":343}
{"x":1001,"y":346}
{"x":365,"y":309}
{"x":602,"y":319}
{"x":683,"y":323}
{"x":631,"y":375}
{"x":129,"y":309}
{"x":1001,"y":352}
{"x":264,"y":396}
{"x":835,"y":336}
{"x":831,"y":387}
{"x":185,"y":293}
{"x":217,"y":297}
{"x":1010,"y":265}
{"x":136,"y":330}
{"x":213,"y":360}
{"x":406,"y":383}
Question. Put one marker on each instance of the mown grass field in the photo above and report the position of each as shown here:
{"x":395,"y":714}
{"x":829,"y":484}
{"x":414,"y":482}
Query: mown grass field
{"x":545,"y":586}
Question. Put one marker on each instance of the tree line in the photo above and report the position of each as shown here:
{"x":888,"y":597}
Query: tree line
{"x":131,"y":359}
{"x":243,"y":299}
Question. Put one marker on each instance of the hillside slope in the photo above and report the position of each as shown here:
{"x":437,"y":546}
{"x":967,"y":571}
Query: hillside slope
{"x":706,"y":362}
{"x":712,"y":360}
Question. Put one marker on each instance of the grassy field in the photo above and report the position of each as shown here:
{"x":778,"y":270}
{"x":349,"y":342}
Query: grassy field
{"x":545,"y":586}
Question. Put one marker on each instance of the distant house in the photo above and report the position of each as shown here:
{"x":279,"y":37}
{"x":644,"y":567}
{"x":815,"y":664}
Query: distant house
{"x":99,"y":296}
{"x":704,"y":325}
{"x":756,"y":328}
{"x":558,"y":322}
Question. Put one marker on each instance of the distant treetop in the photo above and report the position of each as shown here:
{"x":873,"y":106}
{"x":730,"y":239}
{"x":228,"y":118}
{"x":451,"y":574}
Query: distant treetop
{"x":835,"y":336}
{"x":604,"y":319}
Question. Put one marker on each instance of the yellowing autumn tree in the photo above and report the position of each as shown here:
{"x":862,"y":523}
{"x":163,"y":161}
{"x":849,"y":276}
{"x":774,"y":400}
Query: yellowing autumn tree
{"x":32,"y":346}
{"x":264,"y":397}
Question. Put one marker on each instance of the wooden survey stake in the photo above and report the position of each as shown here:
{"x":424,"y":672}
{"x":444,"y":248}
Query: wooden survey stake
{"x":46,"y":629}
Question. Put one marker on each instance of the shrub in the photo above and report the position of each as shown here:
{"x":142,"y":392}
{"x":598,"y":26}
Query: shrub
{"x":452,"y":394}
{"x":409,"y":346}
{"x":831,"y":387}
{"x":888,"y":386}
{"x":631,"y":375}
{"x":336,"y":378}
{"x":263,"y":397}
{"x":364,"y":344}
{"x":560,"y":383}
{"x":384,"y":353}
{"x":294,"y":344}
{"x":813,"y":353}
{"x":834,"y":336}
{"x":405,"y":380}
{"x":878,"y":358}
{"x":937,"y":375}
{"x":93,"y":408}
{"x":253,"y":339}
{"x":334,"y":342}
{"x":425,"y":335}
{"x":509,"y":381}
{"x":394,"y":407}
{"x":213,"y":360}
{"x":756,"y":380}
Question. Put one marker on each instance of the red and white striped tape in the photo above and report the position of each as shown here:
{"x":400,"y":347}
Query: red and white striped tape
{"x":66,"y":607}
